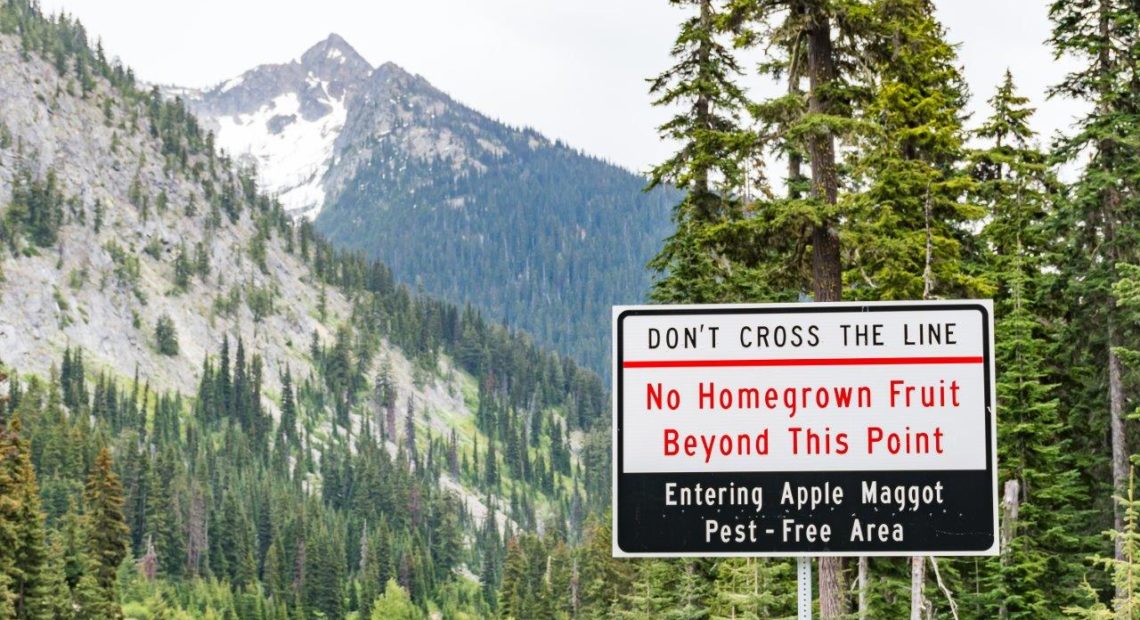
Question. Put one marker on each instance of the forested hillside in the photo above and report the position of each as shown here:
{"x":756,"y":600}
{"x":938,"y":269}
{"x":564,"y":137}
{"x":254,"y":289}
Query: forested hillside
{"x":208,"y":411}
{"x":477,"y":237}
{"x":541,"y":236}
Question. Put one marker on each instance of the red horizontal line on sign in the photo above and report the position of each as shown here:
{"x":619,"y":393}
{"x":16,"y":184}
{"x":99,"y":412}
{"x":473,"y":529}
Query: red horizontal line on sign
{"x":825,"y":361}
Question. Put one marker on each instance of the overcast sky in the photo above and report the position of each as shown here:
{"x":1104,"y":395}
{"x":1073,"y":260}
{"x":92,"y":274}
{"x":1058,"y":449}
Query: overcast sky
{"x":573,"y":70}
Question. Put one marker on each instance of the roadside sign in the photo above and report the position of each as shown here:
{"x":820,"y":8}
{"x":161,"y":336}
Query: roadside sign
{"x":804,"y":429}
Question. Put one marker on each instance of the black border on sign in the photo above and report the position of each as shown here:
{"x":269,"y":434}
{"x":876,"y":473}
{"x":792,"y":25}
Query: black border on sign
{"x":804,"y":308}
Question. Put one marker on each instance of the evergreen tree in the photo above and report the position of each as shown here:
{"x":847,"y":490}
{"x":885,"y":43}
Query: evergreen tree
{"x":106,"y":527}
{"x":604,"y":579}
{"x":57,"y":602}
{"x":1101,"y":224}
{"x":23,"y":554}
{"x":288,"y":423}
{"x":711,"y":140}
{"x":909,"y":233}
{"x":324,"y":572}
{"x":166,"y":336}
{"x":1124,"y":571}
{"x":273,"y":573}
{"x":649,"y":596}
{"x":7,"y":598}
{"x":753,"y":588}
{"x":1014,"y":183}
{"x":513,"y":587}
{"x":910,"y":227}
{"x":91,"y":601}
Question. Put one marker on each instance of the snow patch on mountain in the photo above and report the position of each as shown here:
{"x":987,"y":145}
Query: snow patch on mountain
{"x":231,"y":84}
{"x":308,"y":125}
{"x":290,"y":152}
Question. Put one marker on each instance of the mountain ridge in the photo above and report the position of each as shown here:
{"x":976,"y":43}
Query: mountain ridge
{"x":532,"y":231}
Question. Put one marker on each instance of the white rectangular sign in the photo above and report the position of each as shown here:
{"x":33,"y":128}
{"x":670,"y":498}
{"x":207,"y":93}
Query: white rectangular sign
{"x":750,"y":401}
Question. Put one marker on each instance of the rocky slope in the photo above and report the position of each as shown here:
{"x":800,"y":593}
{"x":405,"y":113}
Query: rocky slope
{"x":131,"y":201}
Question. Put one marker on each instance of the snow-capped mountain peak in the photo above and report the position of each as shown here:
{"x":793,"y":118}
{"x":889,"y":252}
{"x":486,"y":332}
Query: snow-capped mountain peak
{"x":309,"y":124}
{"x":285,"y":119}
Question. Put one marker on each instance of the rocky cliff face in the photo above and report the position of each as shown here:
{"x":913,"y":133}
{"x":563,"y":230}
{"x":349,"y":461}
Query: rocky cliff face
{"x":129,"y":211}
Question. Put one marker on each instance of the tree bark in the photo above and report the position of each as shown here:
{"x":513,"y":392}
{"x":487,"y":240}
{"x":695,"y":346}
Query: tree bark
{"x":1110,"y":207}
{"x":1116,"y":412}
{"x":821,"y":150}
{"x":917,"y":578}
{"x":702,"y":111}
{"x":826,"y":277}
{"x":864,"y":573}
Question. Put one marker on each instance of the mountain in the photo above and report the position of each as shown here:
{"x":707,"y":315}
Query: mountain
{"x":286,"y":119}
{"x":262,"y":410}
{"x":534,"y":232}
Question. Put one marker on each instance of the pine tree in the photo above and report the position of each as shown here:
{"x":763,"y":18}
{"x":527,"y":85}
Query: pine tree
{"x":166,"y":336}
{"x":1099,"y":216}
{"x":23,"y":554}
{"x":711,"y":140}
{"x":164,"y":525}
{"x":908,"y":232}
{"x":909,"y":228}
{"x":604,"y":579}
{"x":91,"y":601}
{"x":288,"y":422}
{"x":514,"y":585}
{"x":57,"y":601}
{"x":1014,"y":183}
{"x":649,"y":595}
{"x":689,"y":598}
{"x":107,"y":532}
{"x":753,"y":588}
{"x":1124,"y":570}
{"x":7,"y":598}
{"x":324,"y":571}
{"x":273,"y":573}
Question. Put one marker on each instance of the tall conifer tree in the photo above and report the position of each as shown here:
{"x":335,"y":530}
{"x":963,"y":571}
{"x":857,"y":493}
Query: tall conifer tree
{"x":23,"y":554}
{"x":1042,"y":515}
{"x":707,"y":164}
{"x":107,"y":532}
{"x":1101,"y":219}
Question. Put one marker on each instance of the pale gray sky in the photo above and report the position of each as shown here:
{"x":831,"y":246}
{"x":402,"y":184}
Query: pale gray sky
{"x":573,"y":70}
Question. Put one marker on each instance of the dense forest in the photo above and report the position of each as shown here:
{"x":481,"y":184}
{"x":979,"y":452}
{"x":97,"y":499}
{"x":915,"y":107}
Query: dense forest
{"x":538,"y":235}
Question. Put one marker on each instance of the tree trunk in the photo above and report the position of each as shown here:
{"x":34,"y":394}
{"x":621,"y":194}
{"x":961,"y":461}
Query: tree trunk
{"x":1116,"y":412}
{"x":827,"y":281}
{"x":821,"y":150}
{"x":864,"y":570}
{"x":1010,"y":506}
{"x":1109,"y":208}
{"x":917,"y":578}
{"x":702,"y":110}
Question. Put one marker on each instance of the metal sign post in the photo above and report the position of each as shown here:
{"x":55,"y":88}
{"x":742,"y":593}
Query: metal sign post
{"x":803,"y":581}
